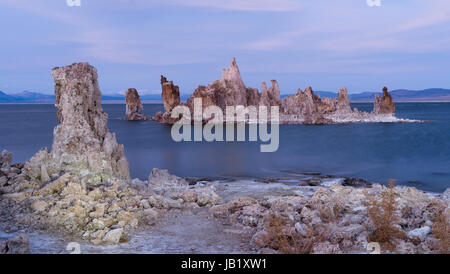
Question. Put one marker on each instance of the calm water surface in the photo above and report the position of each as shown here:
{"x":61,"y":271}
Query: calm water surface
{"x":416,"y":154}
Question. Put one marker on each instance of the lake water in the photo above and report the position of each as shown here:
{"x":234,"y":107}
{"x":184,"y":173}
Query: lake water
{"x":416,"y":154}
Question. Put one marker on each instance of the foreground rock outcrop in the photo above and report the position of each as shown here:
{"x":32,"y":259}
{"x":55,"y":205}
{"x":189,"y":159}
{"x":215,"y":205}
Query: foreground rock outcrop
{"x":134,"y":106}
{"x":300,"y":108}
{"x":104,"y":214}
{"x":341,"y":219}
{"x":82,"y":143}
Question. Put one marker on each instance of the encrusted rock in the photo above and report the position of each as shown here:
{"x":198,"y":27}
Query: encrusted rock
{"x":356,"y":182}
{"x":304,"y":105}
{"x":343,"y":102}
{"x":446,"y":195}
{"x":134,"y":106}
{"x":207,"y":196}
{"x":17,"y":196}
{"x":150,"y":215}
{"x":113,"y":236}
{"x":5,"y":159}
{"x":170,"y":94}
{"x":261,"y":239}
{"x":326,"y":248}
{"x":44,"y":174}
{"x":301,"y":229}
{"x":234,"y":86}
{"x":17,"y":245}
{"x":39,"y":206}
{"x":384,"y":104}
{"x":230,"y":90}
{"x":269,"y":97}
{"x":3,"y":180}
{"x":34,"y":165}
{"x":224,"y":209}
{"x":82,"y":143}
{"x":53,"y":187}
{"x":420,"y":233}
{"x":300,"y":108}
{"x":188,"y":196}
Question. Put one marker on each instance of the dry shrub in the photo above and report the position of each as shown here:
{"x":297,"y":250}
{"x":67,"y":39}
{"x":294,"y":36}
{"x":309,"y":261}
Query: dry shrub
{"x":331,"y":211}
{"x":283,"y":237}
{"x":124,"y":240}
{"x":441,"y":230}
{"x":384,"y":219}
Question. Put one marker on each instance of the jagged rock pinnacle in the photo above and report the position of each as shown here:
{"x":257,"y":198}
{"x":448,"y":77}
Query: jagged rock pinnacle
{"x":170,"y":94}
{"x":384,"y":104}
{"x":82,"y":143}
{"x":134,"y":106}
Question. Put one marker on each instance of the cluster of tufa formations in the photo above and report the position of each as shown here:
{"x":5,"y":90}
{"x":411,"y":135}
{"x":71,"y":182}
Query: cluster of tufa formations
{"x":82,"y":186}
{"x":300,"y":108}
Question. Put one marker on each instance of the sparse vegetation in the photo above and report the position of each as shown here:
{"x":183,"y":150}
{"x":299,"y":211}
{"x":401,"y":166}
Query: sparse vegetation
{"x":331,"y":211}
{"x":384,"y":227}
{"x":283,"y":237}
{"x":441,"y":230}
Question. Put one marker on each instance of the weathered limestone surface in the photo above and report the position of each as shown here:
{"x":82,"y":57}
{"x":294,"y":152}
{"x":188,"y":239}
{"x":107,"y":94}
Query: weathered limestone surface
{"x":300,"y":108}
{"x":134,"y":106}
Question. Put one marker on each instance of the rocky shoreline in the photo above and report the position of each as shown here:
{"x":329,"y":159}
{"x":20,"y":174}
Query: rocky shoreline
{"x":337,"y":219}
{"x":82,"y":189}
{"x":325,"y":215}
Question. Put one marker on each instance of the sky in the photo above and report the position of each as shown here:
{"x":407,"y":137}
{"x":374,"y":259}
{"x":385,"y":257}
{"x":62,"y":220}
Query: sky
{"x":326,"y":44}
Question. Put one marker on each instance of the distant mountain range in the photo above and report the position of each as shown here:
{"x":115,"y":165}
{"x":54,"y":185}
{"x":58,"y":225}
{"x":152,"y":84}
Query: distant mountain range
{"x":400,"y":95}
{"x":26,"y":97}
{"x":39,"y":98}
{"x":404,"y":95}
